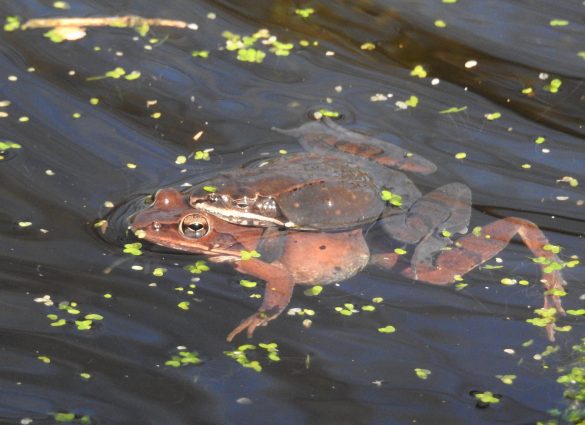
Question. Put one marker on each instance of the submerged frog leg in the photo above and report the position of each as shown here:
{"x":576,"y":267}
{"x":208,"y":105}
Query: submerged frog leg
{"x":431,"y":220}
{"x":327,"y":137}
{"x":279,"y":288}
{"x":397,"y":183}
{"x":474,"y":249}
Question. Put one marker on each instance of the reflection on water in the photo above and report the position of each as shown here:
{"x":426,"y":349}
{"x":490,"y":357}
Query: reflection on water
{"x":503,"y":85}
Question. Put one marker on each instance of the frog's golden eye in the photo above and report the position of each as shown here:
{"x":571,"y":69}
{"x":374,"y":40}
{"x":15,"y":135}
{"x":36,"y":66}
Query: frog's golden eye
{"x":194,"y":226}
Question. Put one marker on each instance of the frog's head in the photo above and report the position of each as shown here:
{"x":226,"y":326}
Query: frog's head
{"x":171,"y":222}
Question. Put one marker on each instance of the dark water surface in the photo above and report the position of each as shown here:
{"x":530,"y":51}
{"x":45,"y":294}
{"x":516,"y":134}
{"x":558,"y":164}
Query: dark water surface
{"x":341,"y":370}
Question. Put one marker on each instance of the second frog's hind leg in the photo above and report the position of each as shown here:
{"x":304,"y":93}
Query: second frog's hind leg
{"x":329,"y":138}
{"x":430,"y":221}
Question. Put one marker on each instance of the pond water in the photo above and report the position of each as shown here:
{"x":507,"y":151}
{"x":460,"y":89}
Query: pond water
{"x":503,"y":85}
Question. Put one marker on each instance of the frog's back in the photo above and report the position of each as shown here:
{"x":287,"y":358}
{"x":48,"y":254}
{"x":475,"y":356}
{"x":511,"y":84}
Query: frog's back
{"x":310,"y":190}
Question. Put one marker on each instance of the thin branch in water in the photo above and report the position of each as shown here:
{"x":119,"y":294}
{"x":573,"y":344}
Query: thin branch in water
{"x":128,"y":21}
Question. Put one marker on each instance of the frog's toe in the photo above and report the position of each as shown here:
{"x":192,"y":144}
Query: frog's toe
{"x":250,"y":324}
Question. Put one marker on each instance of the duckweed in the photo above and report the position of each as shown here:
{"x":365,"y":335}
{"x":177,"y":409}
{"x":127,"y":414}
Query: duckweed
{"x":133,"y":248}
{"x":546,"y":316}
{"x":116,"y":74}
{"x":248,"y":255}
{"x":159,"y":271}
{"x":134,"y":75}
{"x":251,"y":55}
{"x":240,"y":355}
{"x":572,"y":378}
{"x":184,"y":358}
{"x":198,"y":267}
{"x":271,"y":349}
{"x":347,"y":309}
{"x":418,"y":71}
{"x":82,"y":323}
{"x":554,"y":86}
{"x":184,"y":305}
{"x":391,"y":198}
{"x":72,"y":418}
{"x":487,"y":397}
{"x":552,"y":265}
{"x":558,"y":23}
{"x":12,"y":23}
{"x":422,"y":373}
{"x":313,"y":291}
{"x":540,"y":140}
{"x":329,"y":113}
{"x":200,"y":53}
{"x":300,"y":312}
{"x":201,"y":156}
{"x":142,"y":29}
{"x":6,"y":145}
{"x":244,"y":45}
{"x":507,"y":379}
{"x":305,"y":12}
{"x":412,"y":101}
{"x":248,"y":283}
{"x":493,"y":116}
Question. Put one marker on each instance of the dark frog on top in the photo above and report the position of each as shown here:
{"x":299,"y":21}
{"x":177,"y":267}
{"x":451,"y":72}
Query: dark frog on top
{"x":305,"y":213}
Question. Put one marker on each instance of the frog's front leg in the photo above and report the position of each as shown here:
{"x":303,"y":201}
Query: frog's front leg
{"x":279,"y":289}
{"x":474,"y":249}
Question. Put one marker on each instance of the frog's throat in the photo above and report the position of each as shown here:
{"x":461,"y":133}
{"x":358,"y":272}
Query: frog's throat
{"x":241,"y":217}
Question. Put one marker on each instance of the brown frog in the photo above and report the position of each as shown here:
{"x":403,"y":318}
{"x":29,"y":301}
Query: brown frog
{"x":306,"y":213}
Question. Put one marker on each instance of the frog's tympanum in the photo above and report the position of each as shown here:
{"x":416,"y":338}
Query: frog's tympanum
{"x":306,"y":214}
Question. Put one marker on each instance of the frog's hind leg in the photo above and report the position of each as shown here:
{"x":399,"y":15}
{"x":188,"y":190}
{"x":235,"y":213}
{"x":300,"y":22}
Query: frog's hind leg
{"x":327,"y":137}
{"x":430,"y":221}
{"x":474,"y":249}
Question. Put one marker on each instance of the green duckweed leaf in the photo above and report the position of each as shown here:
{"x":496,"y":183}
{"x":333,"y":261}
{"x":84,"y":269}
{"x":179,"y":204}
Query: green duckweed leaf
{"x":487,"y":397}
{"x":305,"y":12}
{"x":422,"y":373}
